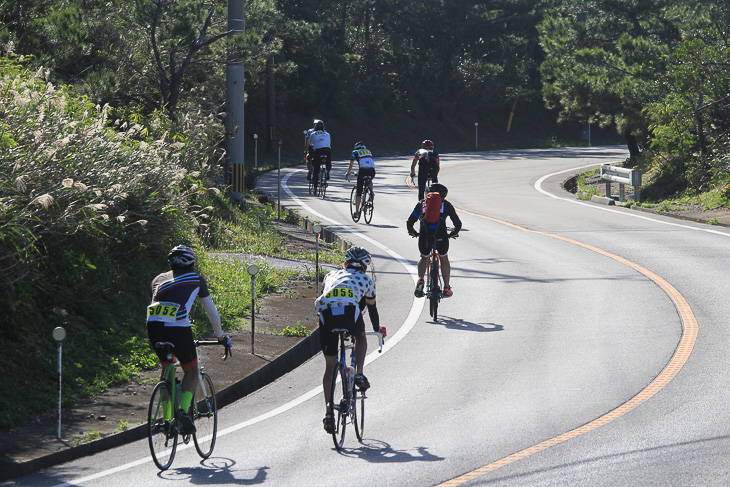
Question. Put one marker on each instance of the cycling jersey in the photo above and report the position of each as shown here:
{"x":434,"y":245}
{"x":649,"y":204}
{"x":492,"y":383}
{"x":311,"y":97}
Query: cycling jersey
{"x":364,"y":157}
{"x":345,"y":287}
{"x":319,"y":139}
{"x":174,"y":292}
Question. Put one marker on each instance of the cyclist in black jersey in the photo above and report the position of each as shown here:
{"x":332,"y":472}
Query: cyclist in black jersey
{"x":173,"y":294}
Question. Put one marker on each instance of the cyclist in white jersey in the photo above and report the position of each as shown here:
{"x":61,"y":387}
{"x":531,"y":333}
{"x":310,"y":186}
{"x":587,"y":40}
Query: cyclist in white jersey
{"x":366,"y":166}
{"x":321,"y":144}
{"x":345,"y":294}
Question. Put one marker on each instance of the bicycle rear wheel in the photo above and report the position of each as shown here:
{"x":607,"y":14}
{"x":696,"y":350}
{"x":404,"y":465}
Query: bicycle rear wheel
{"x":205,"y":414}
{"x":435,"y":293}
{"x":353,"y":205}
{"x":367,"y":204}
{"x":340,"y":405}
{"x":358,"y":413}
{"x":322,"y":185}
{"x":161,"y":432}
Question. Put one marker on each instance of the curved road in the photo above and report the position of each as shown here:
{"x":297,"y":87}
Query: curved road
{"x":584,"y":345}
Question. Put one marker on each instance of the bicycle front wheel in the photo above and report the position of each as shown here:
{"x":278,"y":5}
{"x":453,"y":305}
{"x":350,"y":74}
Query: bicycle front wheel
{"x":358,"y":413}
{"x":161,"y":431}
{"x":205,"y":414}
{"x":353,"y":205}
{"x":340,"y":405}
{"x":367,"y":205}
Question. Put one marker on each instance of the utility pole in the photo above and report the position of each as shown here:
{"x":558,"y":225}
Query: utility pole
{"x":234,"y":103}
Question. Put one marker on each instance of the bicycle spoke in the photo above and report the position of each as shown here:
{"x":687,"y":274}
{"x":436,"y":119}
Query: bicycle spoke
{"x":161,"y":432}
{"x":205,"y":415}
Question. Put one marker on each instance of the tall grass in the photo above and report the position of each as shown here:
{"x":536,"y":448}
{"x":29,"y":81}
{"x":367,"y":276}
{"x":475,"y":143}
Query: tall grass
{"x":91,"y":200}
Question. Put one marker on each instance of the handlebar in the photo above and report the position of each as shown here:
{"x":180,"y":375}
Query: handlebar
{"x":227,"y":353}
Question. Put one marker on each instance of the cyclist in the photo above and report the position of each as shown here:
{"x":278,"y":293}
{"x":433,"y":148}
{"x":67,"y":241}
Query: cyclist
{"x":429,"y":232}
{"x":176,"y":290}
{"x":345,"y":294}
{"x":320,"y":141}
{"x":366,"y":166}
{"x":428,"y":164}
{"x":309,"y":150}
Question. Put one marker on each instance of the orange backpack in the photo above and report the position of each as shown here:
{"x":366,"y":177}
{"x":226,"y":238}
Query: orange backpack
{"x":432,"y":207}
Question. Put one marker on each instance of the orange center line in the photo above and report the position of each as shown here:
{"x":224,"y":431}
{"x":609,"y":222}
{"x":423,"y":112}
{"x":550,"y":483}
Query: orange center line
{"x":679,"y":358}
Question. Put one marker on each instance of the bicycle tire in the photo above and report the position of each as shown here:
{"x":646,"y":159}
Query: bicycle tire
{"x":353,"y":205}
{"x":322,"y":186}
{"x":311,"y":185}
{"x":367,"y":205}
{"x":162,"y":433}
{"x":358,"y":416}
{"x":435,"y":290}
{"x":204,"y":411}
{"x":340,"y":405}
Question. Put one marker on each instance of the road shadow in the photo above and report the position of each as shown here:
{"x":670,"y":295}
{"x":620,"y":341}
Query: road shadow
{"x":460,"y":324}
{"x":216,"y":471}
{"x":378,"y":451}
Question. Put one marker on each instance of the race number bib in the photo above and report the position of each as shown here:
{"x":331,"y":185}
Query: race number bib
{"x":162,"y":311}
{"x":340,"y":292}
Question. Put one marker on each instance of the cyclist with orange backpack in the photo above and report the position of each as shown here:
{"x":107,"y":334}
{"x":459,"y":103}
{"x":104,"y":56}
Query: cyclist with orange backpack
{"x":432,"y":211}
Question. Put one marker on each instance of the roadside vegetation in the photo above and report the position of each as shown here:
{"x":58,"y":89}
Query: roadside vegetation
{"x":90,"y":206}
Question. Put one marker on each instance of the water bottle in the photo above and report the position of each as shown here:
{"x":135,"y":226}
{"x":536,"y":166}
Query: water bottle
{"x":178,"y":390}
{"x":350,"y":376}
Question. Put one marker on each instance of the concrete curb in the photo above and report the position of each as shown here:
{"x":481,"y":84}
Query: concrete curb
{"x":285,"y":363}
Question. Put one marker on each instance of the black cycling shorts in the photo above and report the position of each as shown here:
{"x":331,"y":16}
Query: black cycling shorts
{"x":361,"y":173}
{"x":425,"y":241}
{"x":180,"y":336}
{"x":348,"y":317}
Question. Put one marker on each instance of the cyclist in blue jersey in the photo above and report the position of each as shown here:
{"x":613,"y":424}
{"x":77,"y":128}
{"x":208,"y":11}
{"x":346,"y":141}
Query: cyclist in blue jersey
{"x":168,"y":320}
{"x":429,"y":232}
{"x":345,"y":294}
{"x":366,"y":166}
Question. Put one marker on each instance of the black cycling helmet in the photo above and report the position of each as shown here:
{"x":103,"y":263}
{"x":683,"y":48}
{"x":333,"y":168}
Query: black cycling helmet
{"x":181,"y":256}
{"x":359,"y":146}
{"x":357,"y":257}
{"x":427,"y":144}
{"x":318,"y":125}
{"x":440,"y":188}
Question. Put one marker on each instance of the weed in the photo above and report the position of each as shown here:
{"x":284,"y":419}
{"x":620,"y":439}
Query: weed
{"x":714,"y":221}
{"x":123,"y":425}
{"x":296,"y":331}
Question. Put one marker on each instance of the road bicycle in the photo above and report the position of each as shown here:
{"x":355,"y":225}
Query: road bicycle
{"x":322,"y":182}
{"x":345,"y":396}
{"x":310,"y":161}
{"x":368,"y":197}
{"x":434,"y":283}
{"x":163,"y":423}
{"x":427,"y":187}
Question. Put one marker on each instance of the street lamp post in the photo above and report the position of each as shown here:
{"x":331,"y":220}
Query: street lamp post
{"x":59,"y":333}
{"x":476,"y":134}
{"x":255,"y":151}
{"x":253,"y":269}
{"x":317,"y":229}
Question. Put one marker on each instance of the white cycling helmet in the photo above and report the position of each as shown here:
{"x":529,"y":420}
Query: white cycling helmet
{"x":357,"y":257}
{"x":181,"y":256}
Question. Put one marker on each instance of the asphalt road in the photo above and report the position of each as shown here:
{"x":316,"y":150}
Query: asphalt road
{"x":584,"y":345}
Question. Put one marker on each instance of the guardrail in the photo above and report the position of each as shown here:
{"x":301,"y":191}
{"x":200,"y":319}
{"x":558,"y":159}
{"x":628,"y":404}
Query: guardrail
{"x":622,"y":176}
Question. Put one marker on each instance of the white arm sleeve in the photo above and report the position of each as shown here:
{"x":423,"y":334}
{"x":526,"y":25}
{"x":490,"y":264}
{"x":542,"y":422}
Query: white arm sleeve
{"x":213,"y":316}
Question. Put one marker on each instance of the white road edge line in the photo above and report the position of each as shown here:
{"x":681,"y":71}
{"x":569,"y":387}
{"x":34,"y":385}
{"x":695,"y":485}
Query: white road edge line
{"x":408,"y":324}
{"x":538,"y":187}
